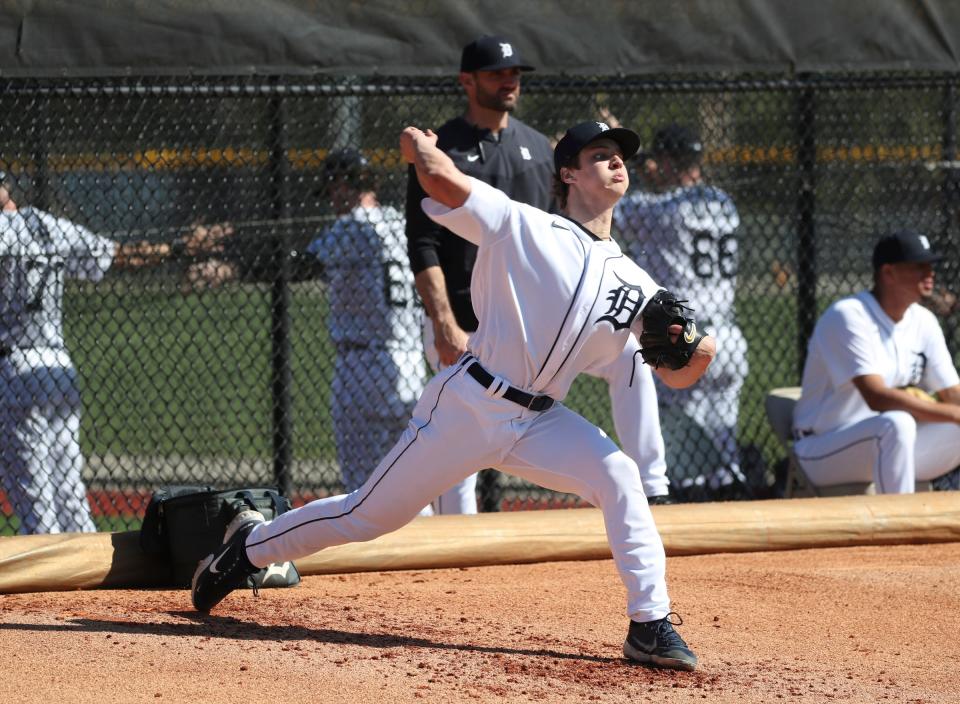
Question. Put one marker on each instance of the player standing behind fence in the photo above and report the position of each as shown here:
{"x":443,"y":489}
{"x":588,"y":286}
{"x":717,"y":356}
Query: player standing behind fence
{"x":685,"y":234}
{"x":40,"y":459}
{"x":374,"y":318}
{"x":373,"y":314}
{"x":489,"y":144}
{"x":554,"y":294}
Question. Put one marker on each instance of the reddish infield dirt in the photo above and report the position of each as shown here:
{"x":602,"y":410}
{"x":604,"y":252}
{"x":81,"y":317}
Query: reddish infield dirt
{"x":870,"y":624}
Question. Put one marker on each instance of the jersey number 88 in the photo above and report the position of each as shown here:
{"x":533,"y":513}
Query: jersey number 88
{"x":714,"y":255}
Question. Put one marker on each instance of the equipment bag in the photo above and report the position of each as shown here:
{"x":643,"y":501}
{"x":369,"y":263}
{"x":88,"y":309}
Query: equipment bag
{"x":187,"y":523}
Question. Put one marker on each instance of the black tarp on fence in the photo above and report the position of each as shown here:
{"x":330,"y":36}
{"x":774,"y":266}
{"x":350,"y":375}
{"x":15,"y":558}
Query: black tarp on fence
{"x":416,"y":37}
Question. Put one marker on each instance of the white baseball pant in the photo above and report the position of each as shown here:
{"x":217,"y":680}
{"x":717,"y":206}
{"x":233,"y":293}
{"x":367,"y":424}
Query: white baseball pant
{"x":636,"y":417}
{"x":461,"y":498}
{"x":890,"y":449}
{"x":374,"y":390}
{"x":40,"y":458}
{"x":714,"y":404}
{"x":459,"y":427}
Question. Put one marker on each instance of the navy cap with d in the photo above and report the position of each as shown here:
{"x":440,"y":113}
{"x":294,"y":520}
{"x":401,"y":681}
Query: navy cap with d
{"x":579,"y":136}
{"x":903,"y":246}
{"x":491,"y":53}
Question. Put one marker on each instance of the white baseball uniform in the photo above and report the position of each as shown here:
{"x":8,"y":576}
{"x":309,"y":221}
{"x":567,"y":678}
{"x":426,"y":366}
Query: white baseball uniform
{"x":373,"y":320}
{"x":40,"y":459}
{"x":552,"y":300}
{"x":686,"y":239}
{"x":840,"y":439}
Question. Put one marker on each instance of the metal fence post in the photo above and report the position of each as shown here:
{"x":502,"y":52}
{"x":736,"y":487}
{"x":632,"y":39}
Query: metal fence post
{"x":950,"y":268}
{"x":280,"y":298}
{"x":41,"y":177}
{"x":806,"y":227}
{"x":949,"y":157}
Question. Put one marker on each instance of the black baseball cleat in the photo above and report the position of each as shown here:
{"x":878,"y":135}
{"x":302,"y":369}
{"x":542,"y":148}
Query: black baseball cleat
{"x":661,"y":500}
{"x":220,"y":572}
{"x":656,"y":643}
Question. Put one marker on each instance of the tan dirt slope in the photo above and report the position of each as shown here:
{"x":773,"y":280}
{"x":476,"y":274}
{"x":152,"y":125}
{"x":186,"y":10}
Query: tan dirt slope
{"x":859,"y":624}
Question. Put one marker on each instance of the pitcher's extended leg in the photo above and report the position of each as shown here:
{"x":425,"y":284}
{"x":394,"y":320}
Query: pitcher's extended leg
{"x":563,"y":451}
{"x":445,"y":441}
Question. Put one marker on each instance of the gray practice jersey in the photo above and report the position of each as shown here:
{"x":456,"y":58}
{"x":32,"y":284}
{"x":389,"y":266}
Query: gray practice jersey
{"x":37,"y":252}
{"x":370,"y":284}
{"x":685,"y":239}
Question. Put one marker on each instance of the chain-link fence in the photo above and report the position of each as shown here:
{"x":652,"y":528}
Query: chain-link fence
{"x":211,"y":330}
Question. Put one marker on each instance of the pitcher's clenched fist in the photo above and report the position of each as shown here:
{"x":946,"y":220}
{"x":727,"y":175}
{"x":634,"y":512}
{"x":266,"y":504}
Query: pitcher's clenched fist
{"x":409,"y":139}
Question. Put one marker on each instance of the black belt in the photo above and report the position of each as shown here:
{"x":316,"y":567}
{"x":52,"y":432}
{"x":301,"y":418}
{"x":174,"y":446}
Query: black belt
{"x":522,"y":398}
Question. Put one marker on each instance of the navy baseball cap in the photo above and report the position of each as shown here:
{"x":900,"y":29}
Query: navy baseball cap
{"x":344,"y":162}
{"x":579,"y":136}
{"x":676,"y":141}
{"x":346,"y":165}
{"x":491,"y":53}
{"x":903,"y":246}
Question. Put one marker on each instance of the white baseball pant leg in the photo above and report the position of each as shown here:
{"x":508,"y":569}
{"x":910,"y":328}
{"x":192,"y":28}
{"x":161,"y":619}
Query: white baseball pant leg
{"x":565,"y":452}
{"x":890,"y":449}
{"x":70,"y":496}
{"x":636,"y":416}
{"x":29,"y":490}
{"x":714,"y":402}
{"x":368,"y":414}
{"x":461,"y":498}
{"x":41,"y":459}
{"x":458,"y":427}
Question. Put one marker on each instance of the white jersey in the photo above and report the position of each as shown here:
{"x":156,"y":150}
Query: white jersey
{"x":855,"y":337}
{"x":37,"y":252}
{"x":516,"y":288}
{"x":40,"y":409}
{"x":685,"y":240}
{"x":371,"y":289}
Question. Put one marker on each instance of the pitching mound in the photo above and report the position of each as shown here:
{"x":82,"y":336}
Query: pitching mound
{"x":859,"y":624}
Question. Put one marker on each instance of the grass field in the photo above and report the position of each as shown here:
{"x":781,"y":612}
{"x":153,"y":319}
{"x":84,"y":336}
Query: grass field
{"x":164,"y":373}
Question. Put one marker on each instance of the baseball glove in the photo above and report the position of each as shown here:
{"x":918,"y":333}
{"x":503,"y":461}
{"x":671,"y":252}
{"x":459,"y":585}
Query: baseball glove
{"x":657,"y":349}
{"x":917,"y":392}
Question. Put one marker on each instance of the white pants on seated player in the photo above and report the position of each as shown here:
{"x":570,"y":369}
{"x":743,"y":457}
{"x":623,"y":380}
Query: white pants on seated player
{"x":890,"y":449}
{"x":459,"y":427}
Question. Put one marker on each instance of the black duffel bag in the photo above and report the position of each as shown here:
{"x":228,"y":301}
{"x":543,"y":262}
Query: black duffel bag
{"x":184,"y":524}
